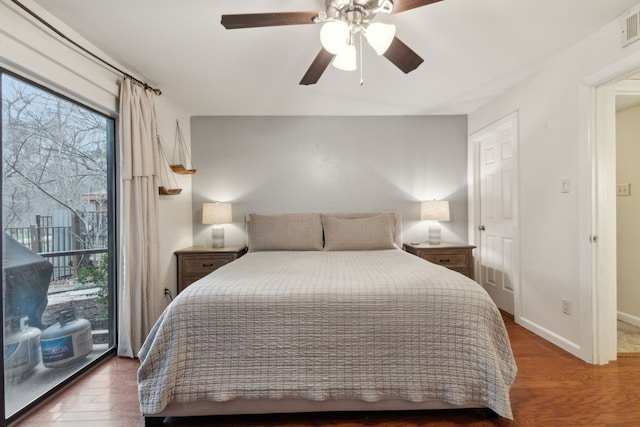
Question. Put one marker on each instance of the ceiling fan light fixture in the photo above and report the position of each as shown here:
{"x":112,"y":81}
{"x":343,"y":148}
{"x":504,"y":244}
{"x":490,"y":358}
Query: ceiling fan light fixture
{"x":346,"y":58}
{"x":385,"y":6}
{"x":334,"y":35}
{"x":380,"y":36}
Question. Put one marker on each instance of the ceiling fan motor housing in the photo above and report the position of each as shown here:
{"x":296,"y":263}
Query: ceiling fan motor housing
{"x":356,"y":11}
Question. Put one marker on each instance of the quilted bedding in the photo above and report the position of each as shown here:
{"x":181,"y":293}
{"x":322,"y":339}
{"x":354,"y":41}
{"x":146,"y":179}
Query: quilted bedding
{"x":364,"y":325}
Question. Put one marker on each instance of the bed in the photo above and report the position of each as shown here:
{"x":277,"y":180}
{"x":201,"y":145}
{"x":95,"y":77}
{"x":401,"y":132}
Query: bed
{"x":326,"y":313}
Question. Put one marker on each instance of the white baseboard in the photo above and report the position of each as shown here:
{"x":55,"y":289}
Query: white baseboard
{"x":628,"y":318}
{"x":556,"y":339}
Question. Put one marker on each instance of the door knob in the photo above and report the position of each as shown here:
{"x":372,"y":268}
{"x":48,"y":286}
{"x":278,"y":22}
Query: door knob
{"x":481,"y":227}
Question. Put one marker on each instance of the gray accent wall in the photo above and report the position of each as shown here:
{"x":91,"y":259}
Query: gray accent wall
{"x":327,"y":164}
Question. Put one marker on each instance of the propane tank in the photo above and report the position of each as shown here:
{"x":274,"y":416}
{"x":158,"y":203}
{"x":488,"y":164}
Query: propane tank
{"x":67,"y":341}
{"x":21,"y":348}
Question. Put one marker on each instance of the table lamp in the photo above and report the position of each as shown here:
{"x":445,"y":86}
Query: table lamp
{"x":216,"y":213}
{"x":434,"y":211}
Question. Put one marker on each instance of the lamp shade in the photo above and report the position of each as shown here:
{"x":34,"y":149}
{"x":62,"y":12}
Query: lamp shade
{"x":380,"y":36}
{"x":216,"y":213}
{"x":334,"y":35}
{"x":435,"y":210}
{"x":346,"y":58}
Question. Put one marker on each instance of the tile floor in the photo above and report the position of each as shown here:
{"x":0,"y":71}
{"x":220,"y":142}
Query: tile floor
{"x":628,"y":338}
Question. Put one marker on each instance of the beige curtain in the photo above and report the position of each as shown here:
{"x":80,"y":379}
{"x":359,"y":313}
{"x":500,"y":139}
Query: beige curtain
{"x":138,"y":255}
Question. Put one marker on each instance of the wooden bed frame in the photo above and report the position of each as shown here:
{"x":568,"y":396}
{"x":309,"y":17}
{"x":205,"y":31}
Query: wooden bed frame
{"x":249,"y":407}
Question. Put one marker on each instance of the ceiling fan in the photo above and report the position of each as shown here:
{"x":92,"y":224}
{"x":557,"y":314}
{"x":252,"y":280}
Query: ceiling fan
{"x":343,"y":21}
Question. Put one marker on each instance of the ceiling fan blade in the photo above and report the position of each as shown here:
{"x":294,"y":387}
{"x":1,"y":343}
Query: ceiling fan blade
{"x":252,"y":20}
{"x":404,"y":5}
{"x":322,"y":61}
{"x":402,"y":56}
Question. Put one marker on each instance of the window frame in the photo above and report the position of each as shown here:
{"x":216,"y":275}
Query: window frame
{"x":113,"y":238}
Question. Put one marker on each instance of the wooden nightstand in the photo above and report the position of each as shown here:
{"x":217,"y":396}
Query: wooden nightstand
{"x":455,"y":256}
{"x":198,"y":261}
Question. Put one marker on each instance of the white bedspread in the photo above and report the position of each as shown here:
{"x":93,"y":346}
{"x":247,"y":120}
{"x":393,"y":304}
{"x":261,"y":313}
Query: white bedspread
{"x":368,"y":325}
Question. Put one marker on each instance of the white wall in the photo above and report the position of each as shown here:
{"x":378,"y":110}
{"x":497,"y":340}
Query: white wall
{"x":32,"y":52}
{"x":554,"y":145}
{"x":175,"y":211}
{"x":628,"y":214}
{"x":323,"y":164}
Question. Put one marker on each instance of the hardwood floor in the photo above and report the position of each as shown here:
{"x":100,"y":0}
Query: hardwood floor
{"x":552,"y":389}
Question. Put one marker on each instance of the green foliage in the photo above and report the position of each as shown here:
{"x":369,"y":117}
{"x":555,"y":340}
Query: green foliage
{"x":98,"y":275}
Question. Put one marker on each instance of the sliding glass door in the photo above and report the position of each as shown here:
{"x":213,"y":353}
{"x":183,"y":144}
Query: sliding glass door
{"x":57,"y":240}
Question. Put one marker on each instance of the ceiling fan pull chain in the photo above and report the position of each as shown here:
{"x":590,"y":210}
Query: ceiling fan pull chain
{"x":361,"y":63}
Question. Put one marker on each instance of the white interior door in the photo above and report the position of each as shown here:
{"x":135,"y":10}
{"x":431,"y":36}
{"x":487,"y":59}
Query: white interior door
{"x":496,"y":204}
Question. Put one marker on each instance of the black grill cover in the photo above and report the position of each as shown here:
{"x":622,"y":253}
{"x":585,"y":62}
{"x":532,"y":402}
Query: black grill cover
{"x":26,"y":276}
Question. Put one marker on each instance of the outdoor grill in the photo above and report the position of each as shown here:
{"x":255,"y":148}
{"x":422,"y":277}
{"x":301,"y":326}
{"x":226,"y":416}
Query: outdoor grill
{"x":26,"y":281}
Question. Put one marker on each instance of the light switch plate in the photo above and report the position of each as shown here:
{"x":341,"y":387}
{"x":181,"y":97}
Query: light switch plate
{"x":623,"y":189}
{"x":565,"y":185}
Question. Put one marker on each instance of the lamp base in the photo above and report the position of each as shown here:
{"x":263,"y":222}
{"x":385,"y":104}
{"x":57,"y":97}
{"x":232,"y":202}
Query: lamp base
{"x":217,"y":237}
{"x":434,"y":234}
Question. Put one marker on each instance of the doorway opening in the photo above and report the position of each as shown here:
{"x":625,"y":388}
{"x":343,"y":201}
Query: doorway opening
{"x":599,"y":127}
{"x":627,"y":93}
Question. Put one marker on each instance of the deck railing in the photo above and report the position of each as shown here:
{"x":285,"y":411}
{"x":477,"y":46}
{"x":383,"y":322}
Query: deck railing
{"x":68,"y":247}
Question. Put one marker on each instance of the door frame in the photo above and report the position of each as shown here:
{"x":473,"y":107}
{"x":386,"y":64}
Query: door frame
{"x":631,"y":88}
{"x":597,"y":224}
{"x":597,"y":126}
{"x":474,"y":199}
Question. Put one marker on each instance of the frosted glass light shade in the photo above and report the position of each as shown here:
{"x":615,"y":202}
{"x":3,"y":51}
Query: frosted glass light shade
{"x":334,"y":35}
{"x":380,"y":36}
{"x":346,"y":58}
{"x":435,"y":210}
{"x":216,"y":213}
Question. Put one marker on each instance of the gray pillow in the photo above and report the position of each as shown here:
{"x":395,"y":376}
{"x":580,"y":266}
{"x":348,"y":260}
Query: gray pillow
{"x":358,"y":234}
{"x":284,"y":232}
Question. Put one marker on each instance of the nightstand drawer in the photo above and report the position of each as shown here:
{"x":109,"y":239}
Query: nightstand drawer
{"x":454,"y":256}
{"x":447,"y":260}
{"x":196,"y":262}
{"x":201,"y":265}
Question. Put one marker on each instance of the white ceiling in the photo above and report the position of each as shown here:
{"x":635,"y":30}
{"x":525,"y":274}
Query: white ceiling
{"x":473,"y":51}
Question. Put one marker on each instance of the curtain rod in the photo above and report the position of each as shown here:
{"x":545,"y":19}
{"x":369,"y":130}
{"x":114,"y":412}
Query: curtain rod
{"x":59,"y":33}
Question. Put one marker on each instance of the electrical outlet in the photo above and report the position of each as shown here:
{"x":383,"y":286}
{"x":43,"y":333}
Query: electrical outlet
{"x":623,"y":190}
{"x":566,"y":306}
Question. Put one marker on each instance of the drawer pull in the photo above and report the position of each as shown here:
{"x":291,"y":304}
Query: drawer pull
{"x":445,"y":260}
{"x":207,"y":265}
